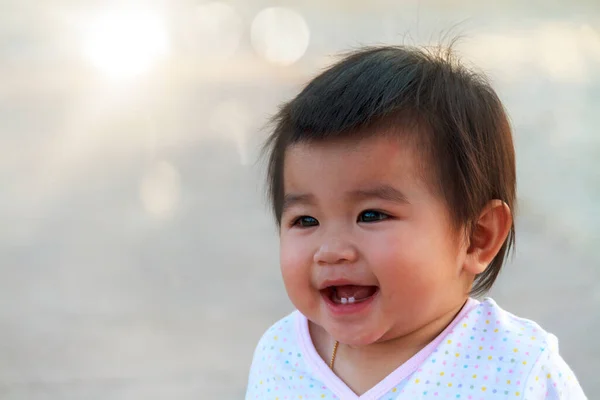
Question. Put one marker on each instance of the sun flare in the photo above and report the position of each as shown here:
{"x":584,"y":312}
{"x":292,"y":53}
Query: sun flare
{"x":124,"y":44}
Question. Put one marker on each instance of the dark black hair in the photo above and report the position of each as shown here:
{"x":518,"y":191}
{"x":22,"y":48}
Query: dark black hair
{"x":461,"y":126}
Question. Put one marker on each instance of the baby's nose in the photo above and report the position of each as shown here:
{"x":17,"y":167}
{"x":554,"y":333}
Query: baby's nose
{"x":335,"y":251}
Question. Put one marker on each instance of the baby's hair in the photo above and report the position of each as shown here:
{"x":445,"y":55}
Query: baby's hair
{"x":426,"y":97}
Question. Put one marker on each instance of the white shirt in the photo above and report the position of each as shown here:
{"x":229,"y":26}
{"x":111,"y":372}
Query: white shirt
{"x":485,"y":353}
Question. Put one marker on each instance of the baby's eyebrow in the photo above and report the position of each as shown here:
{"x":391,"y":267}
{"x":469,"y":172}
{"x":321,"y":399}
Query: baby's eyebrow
{"x":383,"y":192}
{"x":292,"y":199}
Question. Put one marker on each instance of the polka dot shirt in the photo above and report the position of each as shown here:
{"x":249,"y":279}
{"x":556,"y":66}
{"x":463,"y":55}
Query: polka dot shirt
{"x":485,"y":353}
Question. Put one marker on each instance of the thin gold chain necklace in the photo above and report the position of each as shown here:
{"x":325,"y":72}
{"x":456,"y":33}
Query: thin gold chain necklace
{"x":333,"y":354}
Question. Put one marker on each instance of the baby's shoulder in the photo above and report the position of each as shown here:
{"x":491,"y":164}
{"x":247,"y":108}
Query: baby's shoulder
{"x":286,"y":326}
{"x":494,"y":351}
{"x":279,"y":335}
{"x":492,"y":334}
{"x":491,"y":321}
{"x":273,"y":356}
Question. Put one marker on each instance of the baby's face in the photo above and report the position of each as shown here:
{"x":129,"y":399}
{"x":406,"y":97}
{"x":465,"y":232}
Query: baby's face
{"x":367,"y":249}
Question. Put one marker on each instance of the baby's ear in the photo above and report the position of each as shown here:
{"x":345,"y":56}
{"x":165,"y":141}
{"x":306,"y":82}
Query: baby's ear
{"x":488,"y":235}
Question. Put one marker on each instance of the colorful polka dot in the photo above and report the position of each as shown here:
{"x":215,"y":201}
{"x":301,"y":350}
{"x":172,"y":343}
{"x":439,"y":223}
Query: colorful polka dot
{"x":282,"y":363}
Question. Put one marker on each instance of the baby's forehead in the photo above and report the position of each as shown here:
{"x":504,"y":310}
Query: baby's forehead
{"x":372,"y":150}
{"x":357,"y":162}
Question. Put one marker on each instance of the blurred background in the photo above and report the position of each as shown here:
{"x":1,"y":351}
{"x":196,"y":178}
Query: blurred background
{"x":138,"y":259}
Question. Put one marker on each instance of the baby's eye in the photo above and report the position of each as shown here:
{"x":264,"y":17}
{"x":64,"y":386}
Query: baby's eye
{"x":372,"y":216}
{"x":305,"y":221}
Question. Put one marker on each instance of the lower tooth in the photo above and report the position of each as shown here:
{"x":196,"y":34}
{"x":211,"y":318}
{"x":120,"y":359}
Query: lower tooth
{"x":344,"y":300}
{"x":351,"y":300}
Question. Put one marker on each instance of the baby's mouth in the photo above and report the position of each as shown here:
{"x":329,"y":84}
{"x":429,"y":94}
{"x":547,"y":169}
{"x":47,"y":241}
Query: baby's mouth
{"x":349,"y":294}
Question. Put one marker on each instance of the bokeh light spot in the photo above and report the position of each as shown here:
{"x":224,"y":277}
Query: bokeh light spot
{"x":217,"y":30}
{"x":280,"y":35}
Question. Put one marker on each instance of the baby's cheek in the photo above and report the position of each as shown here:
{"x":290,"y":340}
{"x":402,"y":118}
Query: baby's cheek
{"x":399,"y":248}
{"x":406,"y":262}
{"x":293,"y":255}
{"x":295,"y":268}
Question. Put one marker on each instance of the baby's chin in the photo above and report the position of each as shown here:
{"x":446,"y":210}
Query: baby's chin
{"x":355,"y":336}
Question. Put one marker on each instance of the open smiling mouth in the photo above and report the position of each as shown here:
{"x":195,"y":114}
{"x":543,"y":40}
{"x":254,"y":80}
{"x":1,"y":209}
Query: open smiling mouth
{"x":349,"y":294}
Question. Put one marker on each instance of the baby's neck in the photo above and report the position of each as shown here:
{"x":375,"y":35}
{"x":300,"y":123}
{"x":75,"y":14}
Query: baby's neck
{"x":363,"y":367}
